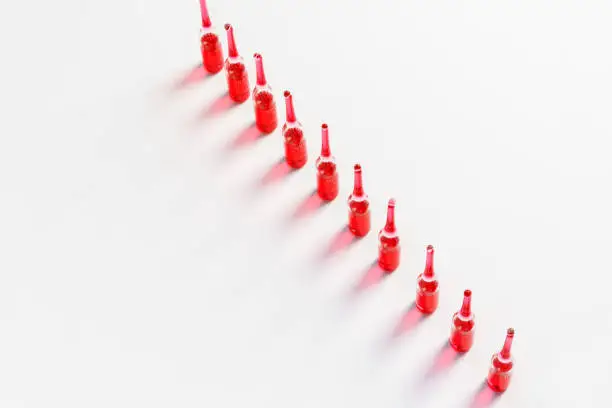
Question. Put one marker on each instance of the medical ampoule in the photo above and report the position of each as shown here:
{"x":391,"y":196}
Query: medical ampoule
{"x":327,"y":174}
{"x":210,"y":45}
{"x":359,"y":207}
{"x":237,"y":76}
{"x":427,"y":286}
{"x":500,"y":372}
{"x":296,"y":155}
{"x":389,"y":243}
{"x":263,"y":99}
{"x":462,"y":331}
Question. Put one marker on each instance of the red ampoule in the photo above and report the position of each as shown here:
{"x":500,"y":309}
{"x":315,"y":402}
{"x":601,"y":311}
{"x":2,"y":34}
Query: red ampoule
{"x":327,"y":174}
{"x":210,"y":45}
{"x":427,"y":286}
{"x":389,"y":244}
{"x":265,"y":106}
{"x":501,"y":366}
{"x":237,"y":76}
{"x":462,"y":332}
{"x":296,"y":155}
{"x":359,"y":207}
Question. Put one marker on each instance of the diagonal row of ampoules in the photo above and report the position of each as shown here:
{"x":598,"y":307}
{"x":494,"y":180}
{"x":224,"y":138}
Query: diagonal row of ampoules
{"x":266,"y":119}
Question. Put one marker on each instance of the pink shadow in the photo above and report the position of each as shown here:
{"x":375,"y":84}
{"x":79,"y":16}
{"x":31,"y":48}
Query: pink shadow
{"x":247,"y":136}
{"x":220,"y":105}
{"x":279,"y":170}
{"x":372,"y":276}
{"x":309,"y":205}
{"x":192,"y":77}
{"x":341,"y":241}
{"x":484,"y":397}
{"x":409,"y":320}
{"x":444,"y":360}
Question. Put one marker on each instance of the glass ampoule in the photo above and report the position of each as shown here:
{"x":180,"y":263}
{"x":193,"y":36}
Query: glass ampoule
{"x":327,"y":174}
{"x":462,"y":331}
{"x":296,"y":155}
{"x":427,"y":295}
{"x":266,"y":118}
{"x":502,"y":363}
{"x":210,"y":44}
{"x":389,"y":242}
{"x":237,"y":77}
{"x":359,"y":207}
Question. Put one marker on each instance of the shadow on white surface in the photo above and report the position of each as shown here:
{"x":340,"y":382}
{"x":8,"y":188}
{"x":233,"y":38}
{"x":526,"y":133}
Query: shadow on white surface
{"x":341,"y":241}
{"x":371,"y":277}
{"x":220,"y":105}
{"x":308,"y":206}
{"x":246,"y":137}
{"x":192,"y":77}
{"x":409,"y":320}
{"x":484,"y":397}
{"x":444,"y":360}
{"x":277,"y":172}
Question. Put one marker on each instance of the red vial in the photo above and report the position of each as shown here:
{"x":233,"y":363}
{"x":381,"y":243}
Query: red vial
{"x":265,"y":106}
{"x":462,"y":332}
{"x":237,"y":76}
{"x":389,"y":245}
{"x":293,"y":135}
{"x":327,"y":175}
{"x":501,"y":366}
{"x":427,"y":286}
{"x":210,"y":45}
{"x":359,"y":207}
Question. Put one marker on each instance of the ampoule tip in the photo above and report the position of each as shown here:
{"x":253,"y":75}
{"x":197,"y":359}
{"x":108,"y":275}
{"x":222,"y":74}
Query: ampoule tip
{"x":289,"y":111}
{"x":466,"y":307}
{"x":390,"y":225}
{"x":231,"y":42}
{"x":261,"y":76}
{"x":205,"y":17}
{"x":358,"y":184}
{"x":505,"y":352}
{"x":429,"y":268}
{"x":325,"y":150}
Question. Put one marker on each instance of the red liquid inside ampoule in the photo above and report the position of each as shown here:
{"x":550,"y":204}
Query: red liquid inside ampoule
{"x":296,"y":155}
{"x":210,"y":46}
{"x":327,"y":174}
{"x":389,"y":243}
{"x":295,"y":148}
{"x":359,"y":207}
{"x":427,"y":295}
{"x":502,"y":363}
{"x":237,"y":81}
{"x":237,"y":77}
{"x":265,"y":112}
{"x":212,"y":53}
{"x":327,"y":181}
{"x":265,"y":107}
{"x":462,"y":332}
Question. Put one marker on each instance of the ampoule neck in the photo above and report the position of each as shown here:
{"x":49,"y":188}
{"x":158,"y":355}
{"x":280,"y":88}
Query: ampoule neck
{"x":289,"y":110}
{"x":358,"y":182}
{"x":390,"y":224}
{"x":231,"y":42}
{"x":429,"y":263}
{"x":325,"y":149}
{"x":259,"y":68}
{"x":206,"y":23}
{"x":207,"y":30}
{"x":466,"y":307}
{"x":505,"y":352}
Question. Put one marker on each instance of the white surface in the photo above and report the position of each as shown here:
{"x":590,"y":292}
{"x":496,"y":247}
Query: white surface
{"x":138,"y":269}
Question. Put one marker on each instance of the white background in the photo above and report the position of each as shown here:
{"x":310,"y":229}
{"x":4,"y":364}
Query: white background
{"x":142,"y":265}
